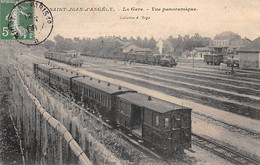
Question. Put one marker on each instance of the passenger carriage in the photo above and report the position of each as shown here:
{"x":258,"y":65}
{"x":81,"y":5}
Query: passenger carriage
{"x":62,"y":79}
{"x":98,"y":94}
{"x":161,"y":124}
{"x":43,"y":71}
{"x":164,"y":125}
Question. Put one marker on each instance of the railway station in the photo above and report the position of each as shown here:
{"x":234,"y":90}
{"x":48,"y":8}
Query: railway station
{"x":177,"y":84}
{"x":156,"y":110}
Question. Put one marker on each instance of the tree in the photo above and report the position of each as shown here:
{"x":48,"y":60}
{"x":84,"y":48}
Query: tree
{"x":63,"y":44}
{"x":49,"y":45}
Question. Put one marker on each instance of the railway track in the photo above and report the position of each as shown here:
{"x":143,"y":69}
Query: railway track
{"x":232,"y":126}
{"x":205,"y":143}
{"x":133,"y":141}
{"x":225,"y":152}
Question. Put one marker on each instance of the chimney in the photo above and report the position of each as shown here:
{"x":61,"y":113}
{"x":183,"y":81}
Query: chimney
{"x":149,"y":98}
{"x":108,"y":84}
{"x":119,"y":87}
{"x":99,"y":81}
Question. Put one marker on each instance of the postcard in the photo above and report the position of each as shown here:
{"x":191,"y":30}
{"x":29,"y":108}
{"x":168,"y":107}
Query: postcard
{"x":130,"y":82}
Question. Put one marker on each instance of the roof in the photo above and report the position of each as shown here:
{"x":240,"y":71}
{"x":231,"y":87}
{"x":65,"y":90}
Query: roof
{"x":64,"y":73}
{"x":228,"y":35}
{"x":123,"y":43}
{"x":135,"y":48}
{"x":103,"y":86}
{"x":254,"y":46}
{"x":45,"y":66}
{"x":202,"y":49}
{"x":218,"y":46}
{"x":155,"y":104}
{"x":143,"y":50}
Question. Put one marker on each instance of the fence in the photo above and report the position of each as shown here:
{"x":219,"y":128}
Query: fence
{"x":51,"y":132}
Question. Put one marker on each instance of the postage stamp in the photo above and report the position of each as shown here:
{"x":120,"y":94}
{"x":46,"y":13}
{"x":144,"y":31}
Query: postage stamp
{"x":29,"y":22}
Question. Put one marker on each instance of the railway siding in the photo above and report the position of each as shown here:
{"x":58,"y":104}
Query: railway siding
{"x":201,"y":82}
{"x":190,"y":84}
{"x":216,"y":78}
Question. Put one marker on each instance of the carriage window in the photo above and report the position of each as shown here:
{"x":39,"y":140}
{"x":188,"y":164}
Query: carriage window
{"x":99,"y":97}
{"x":109,"y":102}
{"x":105,"y":100}
{"x":157,"y":120}
{"x":166,"y":122}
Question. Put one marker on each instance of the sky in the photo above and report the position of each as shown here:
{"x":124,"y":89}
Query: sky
{"x":210,"y":18}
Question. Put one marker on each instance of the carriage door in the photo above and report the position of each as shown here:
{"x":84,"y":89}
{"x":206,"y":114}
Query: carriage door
{"x":136,"y":118}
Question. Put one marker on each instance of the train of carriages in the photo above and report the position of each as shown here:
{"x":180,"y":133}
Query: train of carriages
{"x":163,"y":125}
{"x":162,"y":60}
{"x":64,"y":57}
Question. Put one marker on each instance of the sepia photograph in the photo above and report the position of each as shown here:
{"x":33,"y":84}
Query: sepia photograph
{"x":139,"y":82}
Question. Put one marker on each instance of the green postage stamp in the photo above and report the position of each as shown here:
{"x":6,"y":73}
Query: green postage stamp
{"x":16,"y":20}
{"x":29,"y":22}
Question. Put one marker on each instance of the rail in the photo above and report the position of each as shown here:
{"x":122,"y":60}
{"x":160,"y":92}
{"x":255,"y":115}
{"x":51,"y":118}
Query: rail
{"x":223,"y":151}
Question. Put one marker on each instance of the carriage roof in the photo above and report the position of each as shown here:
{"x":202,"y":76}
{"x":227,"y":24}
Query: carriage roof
{"x":103,"y":86}
{"x":45,"y":66}
{"x":64,"y":73}
{"x":154,"y":104}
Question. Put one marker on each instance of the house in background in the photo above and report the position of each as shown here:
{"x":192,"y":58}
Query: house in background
{"x":249,"y":55}
{"x":132,"y":48}
{"x":121,"y":42}
{"x":188,"y":53}
{"x":228,"y":43}
{"x":200,"y":52}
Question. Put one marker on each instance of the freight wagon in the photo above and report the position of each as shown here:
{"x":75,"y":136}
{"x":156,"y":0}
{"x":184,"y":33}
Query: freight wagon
{"x":215,"y":59}
{"x":67,"y":58}
{"x":143,"y":58}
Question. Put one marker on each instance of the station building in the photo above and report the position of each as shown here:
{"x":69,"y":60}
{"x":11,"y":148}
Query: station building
{"x":227,"y":43}
{"x":249,"y":55}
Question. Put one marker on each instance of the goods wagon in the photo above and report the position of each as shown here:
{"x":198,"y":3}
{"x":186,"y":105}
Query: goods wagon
{"x":130,"y":57}
{"x":154,"y":60}
{"x":142,"y":58}
{"x":169,"y":62}
{"x":139,"y":58}
{"x":213,"y":59}
{"x":67,"y":58}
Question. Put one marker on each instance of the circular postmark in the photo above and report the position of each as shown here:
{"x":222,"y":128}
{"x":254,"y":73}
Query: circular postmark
{"x":30,"y":22}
